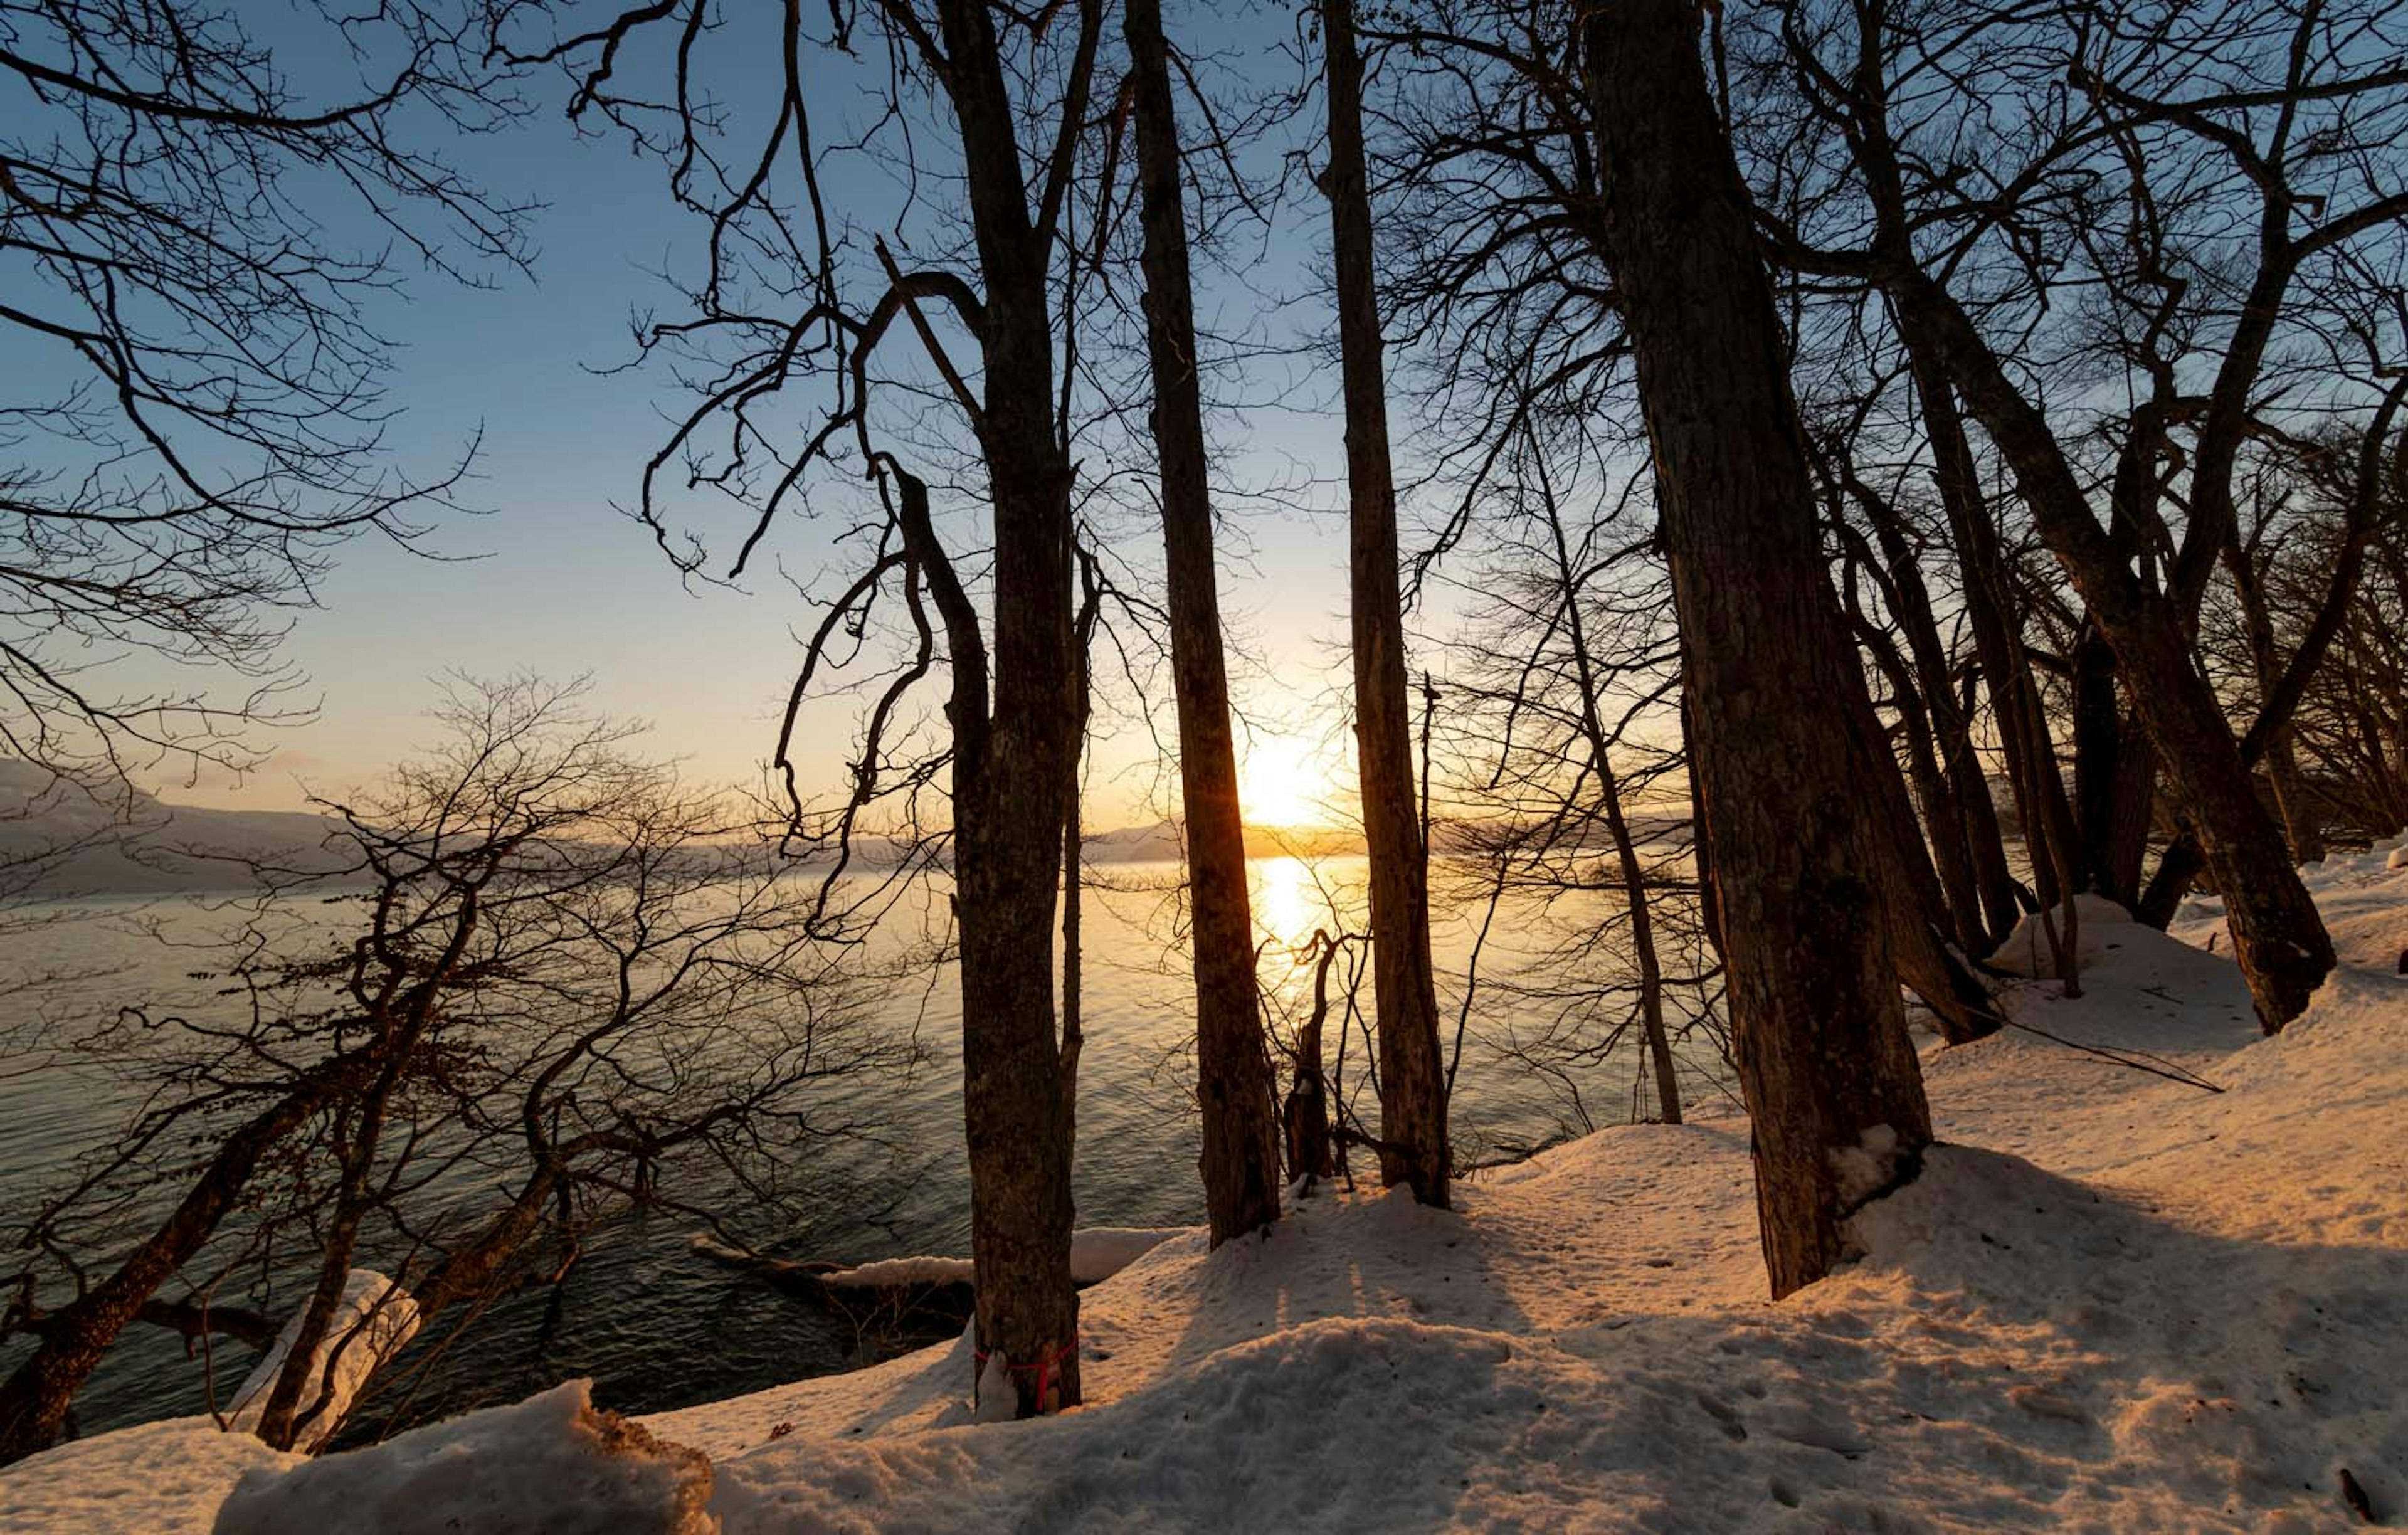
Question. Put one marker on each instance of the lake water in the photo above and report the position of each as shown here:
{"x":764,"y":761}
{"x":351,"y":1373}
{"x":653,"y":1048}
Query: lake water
{"x":660,"y":1325}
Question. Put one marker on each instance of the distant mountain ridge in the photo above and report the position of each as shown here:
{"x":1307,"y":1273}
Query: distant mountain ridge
{"x":60,"y":838}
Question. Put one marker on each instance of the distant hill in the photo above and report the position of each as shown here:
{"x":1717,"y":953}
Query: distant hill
{"x":1159,"y":843}
{"x":58,"y":839}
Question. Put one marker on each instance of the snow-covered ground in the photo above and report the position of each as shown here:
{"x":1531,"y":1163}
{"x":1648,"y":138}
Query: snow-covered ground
{"x":2114,"y":1300}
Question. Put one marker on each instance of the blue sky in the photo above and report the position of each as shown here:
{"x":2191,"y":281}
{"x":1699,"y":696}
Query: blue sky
{"x":555,"y":581}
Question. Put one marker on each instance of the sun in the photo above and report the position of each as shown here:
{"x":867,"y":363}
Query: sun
{"x":1281,"y":782}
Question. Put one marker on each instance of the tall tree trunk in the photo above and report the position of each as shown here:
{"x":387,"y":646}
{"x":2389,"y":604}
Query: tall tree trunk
{"x":2113,"y":769}
{"x":1412,"y":1074}
{"x":2032,"y":776}
{"x":1240,"y":1160}
{"x":1832,"y":1089}
{"x":1014,"y":770}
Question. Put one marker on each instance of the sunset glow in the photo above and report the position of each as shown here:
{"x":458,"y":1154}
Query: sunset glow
{"x":1284,"y":781}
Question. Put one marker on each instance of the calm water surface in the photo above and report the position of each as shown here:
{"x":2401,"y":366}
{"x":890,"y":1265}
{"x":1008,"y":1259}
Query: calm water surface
{"x":660,"y":1325}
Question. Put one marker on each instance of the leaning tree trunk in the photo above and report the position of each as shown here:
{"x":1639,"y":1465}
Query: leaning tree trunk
{"x":1412,"y":1075}
{"x":1240,"y":1160}
{"x":1829,"y":1076}
{"x":38,"y":1393}
{"x":2032,"y":777}
{"x":1013,"y":768}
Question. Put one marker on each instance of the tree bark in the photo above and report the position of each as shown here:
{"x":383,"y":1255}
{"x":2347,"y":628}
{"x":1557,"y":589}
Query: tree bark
{"x":1240,"y":1156}
{"x":1832,"y":1089}
{"x":1412,"y":1074}
{"x":1013,"y":764}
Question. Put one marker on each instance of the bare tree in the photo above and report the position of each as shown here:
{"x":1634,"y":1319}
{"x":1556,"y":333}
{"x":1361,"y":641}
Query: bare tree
{"x":1413,"y":1084}
{"x":1834,"y":1097}
{"x":551,"y":966}
{"x":197,"y":250}
{"x":797,"y":299}
{"x":2178,"y":189}
{"x":1240,"y":1159}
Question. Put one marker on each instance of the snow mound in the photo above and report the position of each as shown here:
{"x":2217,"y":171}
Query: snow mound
{"x":549,"y":1465}
{"x":374,"y":1318}
{"x":2100,"y":929}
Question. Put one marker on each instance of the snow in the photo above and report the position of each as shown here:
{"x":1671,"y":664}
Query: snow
{"x":162,"y":1478}
{"x":549,"y":1465}
{"x":2112,"y":1299}
{"x":1868,"y":1167}
{"x":2027,"y":951}
{"x":374,"y":1318}
{"x":891,"y":1272}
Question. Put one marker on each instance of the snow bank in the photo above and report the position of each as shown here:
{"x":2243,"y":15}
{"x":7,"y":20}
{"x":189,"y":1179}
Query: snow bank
{"x":374,"y":1318}
{"x":549,"y":1465}
{"x":164,"y":1478}
{"x":2101,"y":927}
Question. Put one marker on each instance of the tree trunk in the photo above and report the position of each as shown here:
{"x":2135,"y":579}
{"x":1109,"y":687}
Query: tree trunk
{"x":1012,"y":769}
{"x":35,"y":1400}
{"x":1240,"y":1160}
{"x":2114,"y":771}
{"x":2032,"y":776}
{"x":1412,"y":1075}
{"x":1310,"y":1151}
{"x":1832,"y":1089}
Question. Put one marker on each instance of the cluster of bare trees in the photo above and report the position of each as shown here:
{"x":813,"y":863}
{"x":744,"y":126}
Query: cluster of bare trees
{"x":532,"y":980}
{"x":1919,"y":464}
{"x":2042,"y":429}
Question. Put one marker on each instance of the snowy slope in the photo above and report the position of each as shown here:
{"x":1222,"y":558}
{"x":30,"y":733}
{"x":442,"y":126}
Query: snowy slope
{"x":2116,"y":1301}
{"x":2140,"y":1305}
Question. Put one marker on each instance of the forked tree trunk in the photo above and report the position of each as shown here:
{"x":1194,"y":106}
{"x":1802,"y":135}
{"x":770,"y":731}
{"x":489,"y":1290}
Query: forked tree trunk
{"x":1240,"y":1159}
{"x":1830,"y":1079}
{"x":1412,"y":1073}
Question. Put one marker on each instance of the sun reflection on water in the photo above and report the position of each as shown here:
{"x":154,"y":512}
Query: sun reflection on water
{"x":1287,"y":905}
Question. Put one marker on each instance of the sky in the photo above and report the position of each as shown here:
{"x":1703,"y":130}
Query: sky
{"x":555,"y":581}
